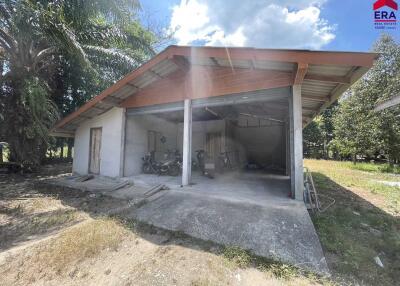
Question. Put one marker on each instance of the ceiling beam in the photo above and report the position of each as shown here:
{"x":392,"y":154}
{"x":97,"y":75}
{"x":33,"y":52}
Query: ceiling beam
{"x":308,"y":109}
{"x":111,"y":101}
{"x":327,"y":78}
{"x":156,"y":74}
{"x":314,"y":98}
{"x":214,"y":60}
{"x":300,"y":73}
{"x":181,"y":62}
{"x":253,"y":63}
{"x":133,"y":85}
{"x":389,"y":103}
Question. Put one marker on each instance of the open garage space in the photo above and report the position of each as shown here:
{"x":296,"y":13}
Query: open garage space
{"x":243,"y":140}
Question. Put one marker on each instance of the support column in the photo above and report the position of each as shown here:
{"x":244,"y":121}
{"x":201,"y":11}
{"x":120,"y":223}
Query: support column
{"x":122,"y":154}
{"x":291,"y":146}
{"x":296,"y":143}
{"x":187,"y":144}
{"x":287,"y":147}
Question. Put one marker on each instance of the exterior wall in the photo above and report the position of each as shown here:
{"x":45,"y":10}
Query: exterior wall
{"x":111,"y":123}
{"x":136,"y":140}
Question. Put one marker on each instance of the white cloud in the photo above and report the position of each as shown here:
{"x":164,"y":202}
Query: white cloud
{"x":257,"y":23}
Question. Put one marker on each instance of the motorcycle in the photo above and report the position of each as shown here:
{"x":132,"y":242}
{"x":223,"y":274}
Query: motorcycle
{"x":201,"y":161}
{"x":172,"y":165}
{"x":150,"y":166}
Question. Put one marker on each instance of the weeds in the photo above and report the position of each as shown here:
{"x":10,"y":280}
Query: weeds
{"x":15,"y":211}
{"x":56,"y":218}
{"x":81,"y":242}
{"x":242,"y":258}
{"x":354,"y":230}
{"x":239,"y":257}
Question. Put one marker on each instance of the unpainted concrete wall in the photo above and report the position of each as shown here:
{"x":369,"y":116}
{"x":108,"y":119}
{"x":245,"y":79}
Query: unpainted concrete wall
{"x":136,"y":140}
{"x":110,"y":152}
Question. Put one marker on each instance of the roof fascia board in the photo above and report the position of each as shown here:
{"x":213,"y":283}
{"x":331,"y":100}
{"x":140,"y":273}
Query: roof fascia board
{"x":309,"y":57}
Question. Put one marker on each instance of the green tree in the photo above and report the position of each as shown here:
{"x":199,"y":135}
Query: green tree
{"x":358,"y":129}
{"x":59,"y":54}
{"x":318,"y":134}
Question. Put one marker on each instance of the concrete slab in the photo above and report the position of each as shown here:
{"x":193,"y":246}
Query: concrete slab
{"x":257,"y":187}
{"x":250,"y":210}
{"x":283,"y":231}
{"x":252,"y":187}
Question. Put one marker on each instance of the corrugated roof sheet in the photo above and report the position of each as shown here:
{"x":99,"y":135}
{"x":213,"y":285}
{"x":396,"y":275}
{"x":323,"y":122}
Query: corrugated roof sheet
{"x":312,"y":90}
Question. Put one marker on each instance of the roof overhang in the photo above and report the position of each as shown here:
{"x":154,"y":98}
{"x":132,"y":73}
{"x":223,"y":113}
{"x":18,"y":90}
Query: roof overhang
{"x":324,"y":76}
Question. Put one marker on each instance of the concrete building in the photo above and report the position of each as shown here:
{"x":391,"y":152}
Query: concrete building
{"x":248,"y":105}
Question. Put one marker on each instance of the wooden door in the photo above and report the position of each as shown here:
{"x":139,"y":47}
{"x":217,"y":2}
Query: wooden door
{"x":213,"y":145}
{"x":94,"y":152}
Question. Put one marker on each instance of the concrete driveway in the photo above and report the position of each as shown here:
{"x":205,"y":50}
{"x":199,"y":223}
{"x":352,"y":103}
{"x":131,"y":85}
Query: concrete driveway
{"x":283,"y":231}
{"x":251,"y":211}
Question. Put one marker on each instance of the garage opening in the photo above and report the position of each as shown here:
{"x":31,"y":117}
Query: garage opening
{"x":237,"y":147}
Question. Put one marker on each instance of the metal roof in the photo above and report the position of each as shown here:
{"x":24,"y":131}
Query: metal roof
{"x":328,"y":75}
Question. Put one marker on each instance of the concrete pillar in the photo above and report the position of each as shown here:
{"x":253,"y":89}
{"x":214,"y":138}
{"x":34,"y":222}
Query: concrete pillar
{"x":187,"y":144}
{"x":287,"y":147}
{"x":296,"y":142}
{"x":291,"y":146}
{"x":122,"y":154}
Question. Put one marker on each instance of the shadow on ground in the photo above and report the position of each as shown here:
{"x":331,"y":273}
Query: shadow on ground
{"x":353,"y":232}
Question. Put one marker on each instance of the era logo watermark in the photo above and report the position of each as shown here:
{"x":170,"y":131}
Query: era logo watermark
{"x":385,"y":14}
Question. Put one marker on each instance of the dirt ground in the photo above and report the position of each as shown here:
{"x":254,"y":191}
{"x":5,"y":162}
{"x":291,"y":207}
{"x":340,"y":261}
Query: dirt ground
{"x":55,"y":238}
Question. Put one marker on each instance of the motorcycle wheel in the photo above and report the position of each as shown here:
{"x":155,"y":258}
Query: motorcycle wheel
{"x":147,"y":169}
{"x":174,"y":171}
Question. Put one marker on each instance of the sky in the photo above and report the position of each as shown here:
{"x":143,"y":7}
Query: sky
{"x":338,"y":25}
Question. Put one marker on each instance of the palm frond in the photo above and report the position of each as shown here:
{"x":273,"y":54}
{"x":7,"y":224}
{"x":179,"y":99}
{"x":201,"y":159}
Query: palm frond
{"x":100,"y":54}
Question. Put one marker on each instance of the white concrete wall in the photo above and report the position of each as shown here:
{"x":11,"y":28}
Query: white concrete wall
{"x":110,"y":153}
{"x":136,"y":140}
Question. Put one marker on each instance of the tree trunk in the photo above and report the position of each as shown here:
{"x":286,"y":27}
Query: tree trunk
{"x":354,"y":158}
{"x":391,"y":164}
{"x":62,"y":149}
{"x":69,"y":149}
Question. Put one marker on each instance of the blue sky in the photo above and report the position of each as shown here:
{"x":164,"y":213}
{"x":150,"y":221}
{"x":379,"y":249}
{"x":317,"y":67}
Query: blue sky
{"x":311,"y":24}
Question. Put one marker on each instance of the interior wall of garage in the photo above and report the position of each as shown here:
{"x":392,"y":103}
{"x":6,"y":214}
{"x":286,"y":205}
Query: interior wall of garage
{"x":260,"y":142}
{"x":110,"y":151}
{"x":137,"y":140}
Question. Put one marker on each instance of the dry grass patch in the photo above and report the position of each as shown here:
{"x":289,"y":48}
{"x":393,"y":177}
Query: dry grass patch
{"x":81,"y":242}
{"x":57,"y":255}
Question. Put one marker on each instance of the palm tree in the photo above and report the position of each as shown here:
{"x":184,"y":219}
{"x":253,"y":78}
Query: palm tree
{"x":40,"y":38}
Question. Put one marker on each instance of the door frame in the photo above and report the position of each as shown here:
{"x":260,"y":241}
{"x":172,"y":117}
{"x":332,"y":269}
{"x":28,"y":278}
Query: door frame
{"x":90,"y":148}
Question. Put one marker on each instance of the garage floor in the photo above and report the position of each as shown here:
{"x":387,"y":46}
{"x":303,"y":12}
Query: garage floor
{"x":252,"y":187}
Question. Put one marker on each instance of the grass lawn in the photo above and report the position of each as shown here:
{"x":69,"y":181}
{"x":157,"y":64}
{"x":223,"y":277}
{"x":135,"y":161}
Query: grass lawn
{"x":363,"y":223}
